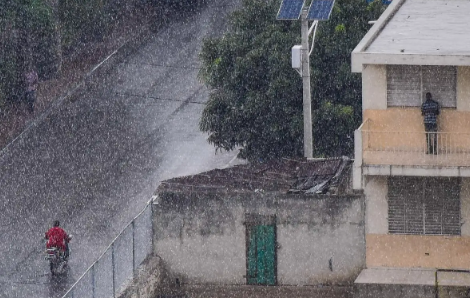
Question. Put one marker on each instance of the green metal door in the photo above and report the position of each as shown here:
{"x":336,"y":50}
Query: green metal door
{"x":261,"y":255}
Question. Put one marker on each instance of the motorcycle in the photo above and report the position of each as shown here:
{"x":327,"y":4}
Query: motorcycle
{"x":58,"y":259}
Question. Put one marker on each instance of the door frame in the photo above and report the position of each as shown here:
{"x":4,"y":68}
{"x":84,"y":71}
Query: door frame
{"x":252,"y":220}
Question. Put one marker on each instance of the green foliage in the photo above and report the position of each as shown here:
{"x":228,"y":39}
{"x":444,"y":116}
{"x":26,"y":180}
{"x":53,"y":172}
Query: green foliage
{"x":251,"y":96}
{"x":332,"y":79}
{"x":332,"y":124}
{"x":84,"y":20}
{"x":40,"y":25}
{"x":28,"y":32}
{"x":331,"y":61}
{"x":7,"y":51}
{"x":255,"y":102}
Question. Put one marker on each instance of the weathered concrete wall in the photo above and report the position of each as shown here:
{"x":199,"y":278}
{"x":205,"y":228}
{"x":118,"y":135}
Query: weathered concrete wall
{"x":147,"y":281}
{"x":201,"y":237}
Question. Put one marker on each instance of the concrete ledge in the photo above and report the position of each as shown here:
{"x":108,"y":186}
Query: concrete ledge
{"x":396,"y":283}
{"x":452,"y":278}
{"x":376,"y":170}
{"x":394,"y":291}
{"x":413,"y":283}
{"x":402,"y":276}
{"x":431,"y":171}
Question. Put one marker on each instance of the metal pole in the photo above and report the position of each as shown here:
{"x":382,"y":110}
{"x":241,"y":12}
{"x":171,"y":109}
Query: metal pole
{"x":308,"y":138}
{"x":152,"y":226}
{"x":114,"y":270}
{"x":93,"y":281}
{"x":133,"y":248}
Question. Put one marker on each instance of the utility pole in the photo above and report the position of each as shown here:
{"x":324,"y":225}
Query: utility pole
{"x":319,"y":10}
{"x":307,"y":101}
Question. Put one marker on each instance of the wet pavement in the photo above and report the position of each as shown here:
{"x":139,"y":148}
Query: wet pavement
{"x":93,"y":162}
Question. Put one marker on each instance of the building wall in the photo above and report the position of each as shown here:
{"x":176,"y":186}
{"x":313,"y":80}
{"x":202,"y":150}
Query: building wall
{"x":374,"y":88}
{"x":201,"y":237}
{"x":389,"y":250}
{"x":465,"y":207}
{"x":402,"y":129}
{"x":375,"y":190}
{"x":463,"y":88}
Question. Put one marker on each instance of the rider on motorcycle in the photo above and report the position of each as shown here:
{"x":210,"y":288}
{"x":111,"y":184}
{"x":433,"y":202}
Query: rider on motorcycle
{"x":57,"y":237}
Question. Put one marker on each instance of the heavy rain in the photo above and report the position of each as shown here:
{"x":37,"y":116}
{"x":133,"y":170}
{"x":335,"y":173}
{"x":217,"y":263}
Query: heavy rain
{"x":117,"y":120}
{"x":234,"y":148}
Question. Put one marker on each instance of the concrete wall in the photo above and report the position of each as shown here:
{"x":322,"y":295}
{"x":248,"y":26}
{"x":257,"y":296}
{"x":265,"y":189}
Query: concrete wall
{"x":465,"y":207}
{"x":463,"y":88}
{"x":388,"y":250}
{"x":374,"y":87}
{"x":376,"y":189}
{"x":201,"y":237}
{"x":148,"y":280}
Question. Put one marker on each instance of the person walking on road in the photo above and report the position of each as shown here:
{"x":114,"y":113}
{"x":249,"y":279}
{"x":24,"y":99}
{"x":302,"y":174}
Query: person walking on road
{"x":31,"y":82}
{"x":430,"y":109}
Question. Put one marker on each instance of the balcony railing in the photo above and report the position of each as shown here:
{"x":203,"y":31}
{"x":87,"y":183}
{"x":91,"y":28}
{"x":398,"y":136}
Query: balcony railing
{"x":412,"y":147}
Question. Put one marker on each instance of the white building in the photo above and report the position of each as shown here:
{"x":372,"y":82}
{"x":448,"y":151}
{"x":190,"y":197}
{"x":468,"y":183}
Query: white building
{"x":417,"y":204}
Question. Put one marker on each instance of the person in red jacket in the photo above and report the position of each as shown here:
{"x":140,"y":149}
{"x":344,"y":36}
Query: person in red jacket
{"x":57,"y":237}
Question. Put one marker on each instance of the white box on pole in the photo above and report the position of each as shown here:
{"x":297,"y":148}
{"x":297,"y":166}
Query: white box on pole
{"x":296,"y":57}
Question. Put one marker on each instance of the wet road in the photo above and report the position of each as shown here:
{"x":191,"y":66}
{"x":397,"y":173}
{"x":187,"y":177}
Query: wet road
{"x":95,"y":162}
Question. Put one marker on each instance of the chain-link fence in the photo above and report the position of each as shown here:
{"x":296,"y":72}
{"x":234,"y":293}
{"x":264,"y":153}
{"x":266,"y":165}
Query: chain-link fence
{"x":113,"y":271}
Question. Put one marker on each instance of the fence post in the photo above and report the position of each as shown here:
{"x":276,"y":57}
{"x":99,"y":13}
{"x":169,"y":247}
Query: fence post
{"x":93,"y":281}
{"x":114,"y":269}
{"x":133,"y":247}
{"x":152,"y":228}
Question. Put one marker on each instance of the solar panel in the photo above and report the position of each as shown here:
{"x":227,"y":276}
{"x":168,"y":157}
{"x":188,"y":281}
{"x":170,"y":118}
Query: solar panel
{"x":320,"y":10}
{"x":290,"y":9}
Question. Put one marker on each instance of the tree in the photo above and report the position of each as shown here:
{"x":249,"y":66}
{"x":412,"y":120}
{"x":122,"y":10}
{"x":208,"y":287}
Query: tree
{"x":337,"y":92}
{"x":28,"y":38}
{"x":255,"y":103}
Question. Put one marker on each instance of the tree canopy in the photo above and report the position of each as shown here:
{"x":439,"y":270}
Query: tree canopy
{"x":255,"y":103}
{"x":39,"y":32}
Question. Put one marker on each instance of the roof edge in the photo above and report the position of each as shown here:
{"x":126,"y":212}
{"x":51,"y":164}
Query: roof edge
{"x":410,"y":59}
{"x":371,"y":35}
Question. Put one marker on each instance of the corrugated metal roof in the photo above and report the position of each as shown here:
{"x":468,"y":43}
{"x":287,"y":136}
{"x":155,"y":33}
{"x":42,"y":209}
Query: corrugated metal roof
{"x":430,"y":27}
{"x":286,"y":175}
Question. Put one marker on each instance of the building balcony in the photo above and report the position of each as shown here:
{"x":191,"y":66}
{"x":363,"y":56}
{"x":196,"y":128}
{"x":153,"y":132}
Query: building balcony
{"x":411,"y":149}
{"x":391,"y":152}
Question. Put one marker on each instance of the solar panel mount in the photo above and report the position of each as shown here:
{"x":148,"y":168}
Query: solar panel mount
{"x":320,"y":10}
{"x":290,"y":9}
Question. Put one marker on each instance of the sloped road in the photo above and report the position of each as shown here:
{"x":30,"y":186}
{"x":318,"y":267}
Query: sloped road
{"x":94,"y":163}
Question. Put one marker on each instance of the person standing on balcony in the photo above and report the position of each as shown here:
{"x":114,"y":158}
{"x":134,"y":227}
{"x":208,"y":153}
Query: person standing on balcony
{"x":430,"y":109}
